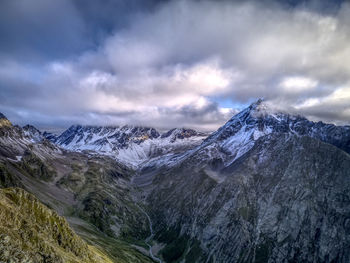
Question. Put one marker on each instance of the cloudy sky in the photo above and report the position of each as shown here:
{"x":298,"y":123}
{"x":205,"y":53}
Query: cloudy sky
{"x":171,"y":63}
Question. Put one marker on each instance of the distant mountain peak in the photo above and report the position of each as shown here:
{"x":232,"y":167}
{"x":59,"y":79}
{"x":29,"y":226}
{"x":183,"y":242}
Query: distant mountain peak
{"x":31,"y":128}
{"x":259,"y":102}
{"x":131,"y":144}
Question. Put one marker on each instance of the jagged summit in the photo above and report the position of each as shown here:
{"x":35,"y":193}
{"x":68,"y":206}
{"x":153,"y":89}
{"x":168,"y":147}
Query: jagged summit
{"x":259,"y":105}
{"x":261,"y":109}
{"x":264,"y":118}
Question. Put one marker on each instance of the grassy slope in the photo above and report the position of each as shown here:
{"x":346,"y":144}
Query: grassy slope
{"x":31,"y":232}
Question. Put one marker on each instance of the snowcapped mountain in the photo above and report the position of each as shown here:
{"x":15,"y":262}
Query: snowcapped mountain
{"x":261,"y":119}
{"x":134,"y":145}
{"x":240,"y":133}
{"x":104,"y":139}
{"x":129,"y":144}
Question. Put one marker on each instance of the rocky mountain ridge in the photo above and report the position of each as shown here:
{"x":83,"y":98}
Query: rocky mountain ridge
{"x":131,"y":145}
{"x":261,"y":119}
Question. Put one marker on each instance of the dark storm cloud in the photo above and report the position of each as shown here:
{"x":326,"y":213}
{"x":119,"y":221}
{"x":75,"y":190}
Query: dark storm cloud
{"x":163,"y":63}
{"x":39,"y":28}
{"x":56,"y":29}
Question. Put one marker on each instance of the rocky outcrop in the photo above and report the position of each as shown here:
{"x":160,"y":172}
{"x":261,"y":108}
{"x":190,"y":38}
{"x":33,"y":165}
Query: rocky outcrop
{"x":4,"y":122}
{"x":181,"y":133}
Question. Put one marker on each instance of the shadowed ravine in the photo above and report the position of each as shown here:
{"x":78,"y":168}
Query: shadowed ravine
{"x":149,"y":238}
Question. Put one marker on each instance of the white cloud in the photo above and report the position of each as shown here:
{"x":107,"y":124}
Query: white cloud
{"x":308,"y":103}
{"x":298,"y":84}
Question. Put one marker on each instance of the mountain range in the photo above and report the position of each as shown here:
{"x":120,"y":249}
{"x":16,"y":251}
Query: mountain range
{"x":267,"y":186}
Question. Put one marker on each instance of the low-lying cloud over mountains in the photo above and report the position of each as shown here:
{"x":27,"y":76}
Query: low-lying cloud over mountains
{"x":171,"y":63}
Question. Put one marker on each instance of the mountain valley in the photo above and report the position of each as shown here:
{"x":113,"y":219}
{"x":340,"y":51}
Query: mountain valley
{"x":265,"y":187}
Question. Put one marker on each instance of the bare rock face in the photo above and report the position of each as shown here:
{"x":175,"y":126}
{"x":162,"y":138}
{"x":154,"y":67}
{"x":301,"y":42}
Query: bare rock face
{"x":30,"y":232}
{"x":285,"y":200}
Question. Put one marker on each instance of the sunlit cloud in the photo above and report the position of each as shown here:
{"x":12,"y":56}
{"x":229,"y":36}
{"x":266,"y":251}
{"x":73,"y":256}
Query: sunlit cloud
{"x":298,"y":84}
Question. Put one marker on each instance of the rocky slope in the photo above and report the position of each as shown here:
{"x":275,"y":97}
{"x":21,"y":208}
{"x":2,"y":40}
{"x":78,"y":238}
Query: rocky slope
{"x":31,"y":232}
{"x":284,"y":200}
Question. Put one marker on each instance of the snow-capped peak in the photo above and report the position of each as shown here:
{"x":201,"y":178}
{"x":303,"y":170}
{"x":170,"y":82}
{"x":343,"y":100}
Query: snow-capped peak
{"x":241,"y":132}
